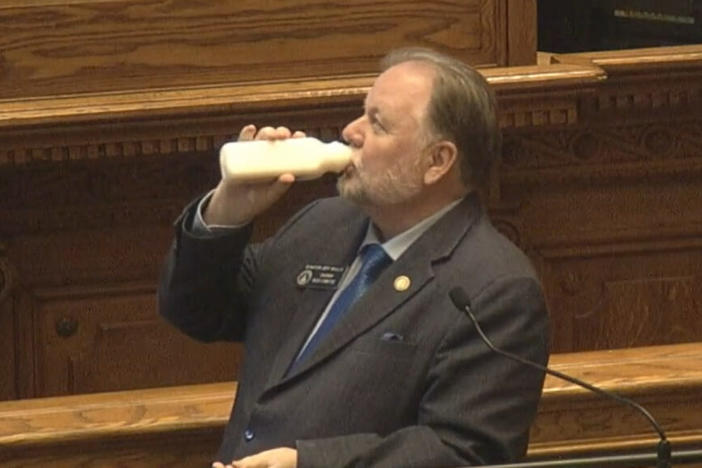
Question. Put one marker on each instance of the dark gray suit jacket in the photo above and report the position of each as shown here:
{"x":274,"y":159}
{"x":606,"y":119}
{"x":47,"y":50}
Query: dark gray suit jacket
{"x":434,"y":395}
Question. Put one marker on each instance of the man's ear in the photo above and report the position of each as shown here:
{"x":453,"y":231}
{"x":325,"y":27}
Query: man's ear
{"x":443,"y":155}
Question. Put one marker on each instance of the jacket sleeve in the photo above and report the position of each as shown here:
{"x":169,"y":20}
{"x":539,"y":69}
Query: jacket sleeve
{"x":477,"y":406}
{"x":205,"y":281}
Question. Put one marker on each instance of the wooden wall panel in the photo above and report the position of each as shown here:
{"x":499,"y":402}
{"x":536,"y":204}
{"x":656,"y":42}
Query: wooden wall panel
{"x":86,"y":236}
{"x":609,"y":205}
{"x":620,"y":259}
{"x":599,"y":183}
{"x":99,"y":339}
{"x":521,"y":33}
{"x":620,"y":299}
{"x":8,"y":343}
{"x":78,"y":46}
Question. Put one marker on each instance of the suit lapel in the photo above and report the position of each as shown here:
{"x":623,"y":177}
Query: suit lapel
{"x":383,"y":298}
{"x":337,"y":248}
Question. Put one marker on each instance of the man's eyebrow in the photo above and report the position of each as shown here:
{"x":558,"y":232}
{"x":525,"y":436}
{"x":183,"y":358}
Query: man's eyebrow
{"x":368,"y":108}
{"x":372,"y":111}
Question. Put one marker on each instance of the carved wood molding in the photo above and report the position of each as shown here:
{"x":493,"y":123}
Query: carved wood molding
{"x":93,"y":145}
{"x":186,"y":119}
{"x":645,"y":242}
{"x":549,"y":111}
{"x":148,"y":124}
{"x":652,"y":150}
{"x":165,"y":122}
{"x":651,"y":97}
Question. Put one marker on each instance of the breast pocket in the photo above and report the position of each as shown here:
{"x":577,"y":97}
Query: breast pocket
{"x":386,"y":347}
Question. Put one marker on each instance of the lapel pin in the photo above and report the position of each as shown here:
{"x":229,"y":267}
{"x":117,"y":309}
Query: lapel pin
{"x":402,"y":283}
{"x":304,"y":278}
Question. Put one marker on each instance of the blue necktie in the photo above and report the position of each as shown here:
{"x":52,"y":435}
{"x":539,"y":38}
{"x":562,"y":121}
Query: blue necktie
{"x":374,"y":261}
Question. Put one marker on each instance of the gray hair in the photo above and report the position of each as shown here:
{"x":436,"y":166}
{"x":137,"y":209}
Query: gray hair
{"x":462,"y":109}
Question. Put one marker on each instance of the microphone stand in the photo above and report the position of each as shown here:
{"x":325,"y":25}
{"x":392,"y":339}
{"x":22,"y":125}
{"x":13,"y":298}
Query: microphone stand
{"x":662,"y":458}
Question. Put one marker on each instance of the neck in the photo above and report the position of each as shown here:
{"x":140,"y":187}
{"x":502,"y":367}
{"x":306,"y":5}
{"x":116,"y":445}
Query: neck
{"x":396,"y":218}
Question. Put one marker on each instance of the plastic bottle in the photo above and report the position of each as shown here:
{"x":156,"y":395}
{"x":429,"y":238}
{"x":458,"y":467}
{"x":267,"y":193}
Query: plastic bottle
{"x":306,"y":158}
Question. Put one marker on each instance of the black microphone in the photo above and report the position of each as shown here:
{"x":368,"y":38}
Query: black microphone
{"x":461,"y":300}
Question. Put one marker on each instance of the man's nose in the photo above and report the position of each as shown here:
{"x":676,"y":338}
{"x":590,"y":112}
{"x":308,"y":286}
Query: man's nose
{"x":352,"y":133}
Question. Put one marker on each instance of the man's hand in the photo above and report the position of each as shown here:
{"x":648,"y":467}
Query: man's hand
{"x":282,"y":457}
{"x":238,"y":203}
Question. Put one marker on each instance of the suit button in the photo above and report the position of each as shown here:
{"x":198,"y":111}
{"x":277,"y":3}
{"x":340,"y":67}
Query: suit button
{"x":249,"y":435}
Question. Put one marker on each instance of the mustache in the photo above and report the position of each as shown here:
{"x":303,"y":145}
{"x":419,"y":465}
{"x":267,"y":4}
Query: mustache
{"x":356,"y":162}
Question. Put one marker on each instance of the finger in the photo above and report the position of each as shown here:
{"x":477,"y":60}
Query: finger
{"x":247,"y":133}
{"x":266,"y":133}
{"x":217,"y":465}
{"x":246,"y":462}
{"x":299,"y":134}
{"x":286,"y":178}
{"x":283,"y":132}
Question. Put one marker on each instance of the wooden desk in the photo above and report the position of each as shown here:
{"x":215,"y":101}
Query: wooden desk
{"x":182,"y":426}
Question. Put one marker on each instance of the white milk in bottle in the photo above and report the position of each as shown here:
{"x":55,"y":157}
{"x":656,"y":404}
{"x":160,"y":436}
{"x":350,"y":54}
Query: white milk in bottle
{"x":258,"y":160}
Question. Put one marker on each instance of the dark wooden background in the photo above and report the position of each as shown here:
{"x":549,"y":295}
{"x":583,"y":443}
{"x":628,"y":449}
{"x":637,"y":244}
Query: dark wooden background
{"x":111,"y":114}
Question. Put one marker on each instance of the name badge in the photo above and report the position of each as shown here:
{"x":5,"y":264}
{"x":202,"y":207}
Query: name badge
{"x":320,"y":276}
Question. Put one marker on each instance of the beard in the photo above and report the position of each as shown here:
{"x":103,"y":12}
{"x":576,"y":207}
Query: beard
{"x":398,"y":183}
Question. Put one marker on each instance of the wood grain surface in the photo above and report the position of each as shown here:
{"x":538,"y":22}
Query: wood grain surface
{"x":136,"y":428}
{"x":51,"y":48}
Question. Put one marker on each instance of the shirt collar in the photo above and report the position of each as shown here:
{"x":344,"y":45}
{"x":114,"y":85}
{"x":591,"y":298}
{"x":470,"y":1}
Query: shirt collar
{"x":397,"y":245}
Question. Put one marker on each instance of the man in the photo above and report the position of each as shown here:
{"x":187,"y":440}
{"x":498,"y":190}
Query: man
{"x":398,"y":378}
